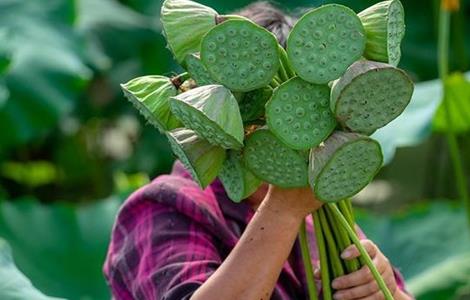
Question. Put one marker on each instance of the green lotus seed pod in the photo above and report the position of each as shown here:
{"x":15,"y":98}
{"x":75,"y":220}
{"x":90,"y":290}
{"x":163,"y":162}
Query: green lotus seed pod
{"x":384,"y":24}
{"x":325,"y":42}
{"x":252,"y":104}
{"x":202,"y":159}
{"x":212,"y":112}
{"x":274,"y":162}
{"x":240,"y":55}
{"x":299,"y":113}
{"x":184,"y":24}
{"x":151,"y":96}
{"x":343,"y":165}
{"x":197,"y":70}
{"x":370,"y":95}
{"x":238,"y":181}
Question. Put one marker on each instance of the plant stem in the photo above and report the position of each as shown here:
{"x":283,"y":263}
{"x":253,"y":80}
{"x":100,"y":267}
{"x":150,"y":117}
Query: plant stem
{"x":443,"y":64}
{"x":346,"y":208}
{"x":323,"y":256}
{"x":312,"y":289}
{"x":342,"y":239}
{"x":282,"y":73}
{"x":368,"y":261}
{"x":336,"y":265}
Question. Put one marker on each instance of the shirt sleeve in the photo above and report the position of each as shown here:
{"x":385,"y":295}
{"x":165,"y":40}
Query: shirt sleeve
{"x":157,"y":252}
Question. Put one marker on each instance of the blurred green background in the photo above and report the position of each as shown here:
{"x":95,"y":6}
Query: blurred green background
{"x":72,"y":148}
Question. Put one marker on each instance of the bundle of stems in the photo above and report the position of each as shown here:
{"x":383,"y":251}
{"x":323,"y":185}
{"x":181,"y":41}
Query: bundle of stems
{"x":334,"y":228}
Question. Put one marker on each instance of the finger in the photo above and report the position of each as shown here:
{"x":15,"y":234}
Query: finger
{"x":390,"y":282}
{"x":352,"y":252}
{"x":360,"y":277}
{"x":376,"y":296}
{"x":357,"y":292}
{"x":381,"y":263}
{"x":317,"y":273}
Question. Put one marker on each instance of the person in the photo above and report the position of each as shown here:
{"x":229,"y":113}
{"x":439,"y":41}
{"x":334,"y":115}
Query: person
{"x":172,"y":240}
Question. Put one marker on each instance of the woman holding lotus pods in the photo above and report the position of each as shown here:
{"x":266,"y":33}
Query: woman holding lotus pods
{"x":173,"y":240}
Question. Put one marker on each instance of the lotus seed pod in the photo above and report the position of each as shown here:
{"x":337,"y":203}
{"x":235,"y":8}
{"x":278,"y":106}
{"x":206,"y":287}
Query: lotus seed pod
{"x":240,"y":55}
{"x":212,"y":112}
{"x":343,"y":165}
{"x":370,"y":95}
{"x":252,"y":104}
{"x":325,"y":42}
{"x":274,"y":162}
{"x":184,"y":24}
{"x":202,"y":159}
{"x":384,"y":24}
{"x":151,"y":96}
{"x":238,"y":181}
{"x":197,"y":70}
{"x":299,"y":113}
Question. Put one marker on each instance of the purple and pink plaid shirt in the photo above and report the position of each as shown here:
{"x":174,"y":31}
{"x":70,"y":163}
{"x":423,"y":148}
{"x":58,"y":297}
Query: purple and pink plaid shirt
{"x":170,"y":236}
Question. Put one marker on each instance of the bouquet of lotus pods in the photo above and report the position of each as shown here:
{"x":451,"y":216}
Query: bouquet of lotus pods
{"x":249,"y":111}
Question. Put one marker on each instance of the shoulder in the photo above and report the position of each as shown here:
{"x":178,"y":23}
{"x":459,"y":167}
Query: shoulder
{"x":175,"y":193}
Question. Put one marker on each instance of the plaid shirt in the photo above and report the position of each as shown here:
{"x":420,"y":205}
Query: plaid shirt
{"x":170,"y":236}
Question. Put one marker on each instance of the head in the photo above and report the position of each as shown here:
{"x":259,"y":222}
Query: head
{"x":270,"y":17}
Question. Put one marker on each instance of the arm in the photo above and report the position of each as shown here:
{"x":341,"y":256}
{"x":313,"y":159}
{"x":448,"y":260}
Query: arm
{"x":253,"y":267}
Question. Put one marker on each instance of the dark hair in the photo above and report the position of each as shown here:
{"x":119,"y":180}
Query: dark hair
{"x":270,"y":17}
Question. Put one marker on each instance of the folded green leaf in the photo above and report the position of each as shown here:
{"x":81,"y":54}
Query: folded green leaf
{"x":202,"y":159}
{"x":212,"y":112}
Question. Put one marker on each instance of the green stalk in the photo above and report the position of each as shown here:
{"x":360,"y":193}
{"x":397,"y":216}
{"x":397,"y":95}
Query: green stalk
{"x":312,"y":289}
{"x":443,"y":64}
{"x":335,"y":260}
{"x":282,"y":73}
{"x":346,"y":208}
{"x":323,"y":256}
{"x":275,"y":82}
{"x":342,"y":239}
{"x":286,"y":63}
{"x":368,"y":261}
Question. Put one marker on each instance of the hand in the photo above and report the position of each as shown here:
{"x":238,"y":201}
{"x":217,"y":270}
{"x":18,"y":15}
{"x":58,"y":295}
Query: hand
{"x":298,"y":201}
{"x":361,"y":285}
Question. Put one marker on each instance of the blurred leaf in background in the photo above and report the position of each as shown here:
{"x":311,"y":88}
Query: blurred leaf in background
{"x":442,"y":281}
{"x":14,"y":285}
{"x":68,"y":134}
{"x":458,"y":99}
{"x":43,"y":84}
{"x":61,"y":247}
{"x":414,"y":125}
{"x":423,"y":241}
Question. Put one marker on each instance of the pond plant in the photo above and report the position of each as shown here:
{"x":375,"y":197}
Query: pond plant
{"x":249,"y":111}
